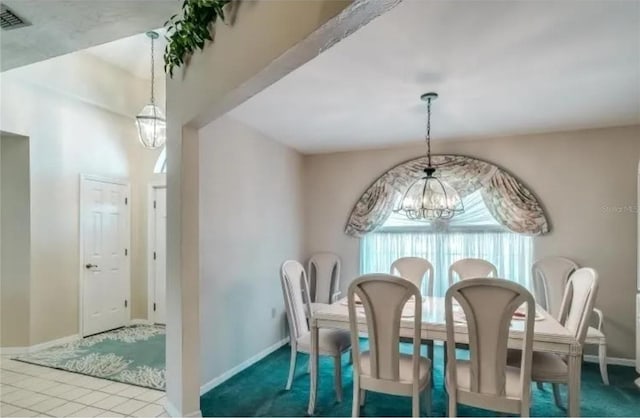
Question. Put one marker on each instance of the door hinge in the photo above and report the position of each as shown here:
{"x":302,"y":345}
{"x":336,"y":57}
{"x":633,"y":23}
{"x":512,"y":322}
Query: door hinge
{"x":126,"y":303}
{"x":126,"y":252}
{"x":154,"y":307}
{"x":154,"y":204}
{"x":126,"y":200}
{"x":154,"y":255}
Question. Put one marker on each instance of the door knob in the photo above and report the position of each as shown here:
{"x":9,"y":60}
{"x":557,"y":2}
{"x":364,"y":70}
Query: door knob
{"x":90,"y":266}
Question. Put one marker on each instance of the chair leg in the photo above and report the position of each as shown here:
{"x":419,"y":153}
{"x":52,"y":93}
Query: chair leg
{"x":355,"y":408}
{"x":337,"y":376}
{"x":363,"y":396}
{"x":427,"y":400}
{"x":415,"y":403}
{"x":445,"y":356}
{"x":350,"y":356}
{"x":602,"y":357}
{"x":453,"y":407}
{"x":557,"y":396}
{"x":292,"y":365}
{"x":540,"y":385}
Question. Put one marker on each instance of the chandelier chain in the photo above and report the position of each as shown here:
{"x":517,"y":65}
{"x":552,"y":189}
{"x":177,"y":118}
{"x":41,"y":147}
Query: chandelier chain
{"x":153,"y":71}
{"x":428,"y":136}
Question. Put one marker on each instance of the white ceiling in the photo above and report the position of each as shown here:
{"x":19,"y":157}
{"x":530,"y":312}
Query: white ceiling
{"x":63,"y":26}
{"x":501,"y":68}
{"x":133,"y":54}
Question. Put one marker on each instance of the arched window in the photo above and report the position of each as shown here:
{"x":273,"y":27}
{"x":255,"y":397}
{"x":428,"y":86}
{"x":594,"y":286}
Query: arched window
{"x":161,"y":162}
{"x":472,"y":234}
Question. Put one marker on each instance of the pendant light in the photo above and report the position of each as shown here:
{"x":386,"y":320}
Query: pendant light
{"x":430,"y":198}
{"x":151,"y":121}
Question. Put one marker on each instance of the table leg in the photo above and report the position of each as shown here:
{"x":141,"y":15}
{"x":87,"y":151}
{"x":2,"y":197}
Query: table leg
{"x":575,"y":369}
{"x":314,"y":368}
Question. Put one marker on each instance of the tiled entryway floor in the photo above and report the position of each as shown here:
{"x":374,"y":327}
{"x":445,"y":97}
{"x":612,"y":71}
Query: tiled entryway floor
{"x":27,"y":390}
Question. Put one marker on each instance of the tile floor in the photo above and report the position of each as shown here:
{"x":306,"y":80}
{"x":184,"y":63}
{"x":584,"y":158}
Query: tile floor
{"x":27,"y":390}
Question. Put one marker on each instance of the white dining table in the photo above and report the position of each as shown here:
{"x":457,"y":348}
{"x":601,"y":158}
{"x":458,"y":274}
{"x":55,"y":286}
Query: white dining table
{"x":549,"y":336}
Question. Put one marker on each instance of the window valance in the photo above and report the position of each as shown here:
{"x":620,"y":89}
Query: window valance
{"x":509,"y":201}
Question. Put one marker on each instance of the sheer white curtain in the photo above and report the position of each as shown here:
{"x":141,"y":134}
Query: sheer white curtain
{"x":472,"y":234}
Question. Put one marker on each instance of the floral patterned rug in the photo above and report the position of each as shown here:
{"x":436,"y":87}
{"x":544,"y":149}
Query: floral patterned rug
{"x":133,"y":355}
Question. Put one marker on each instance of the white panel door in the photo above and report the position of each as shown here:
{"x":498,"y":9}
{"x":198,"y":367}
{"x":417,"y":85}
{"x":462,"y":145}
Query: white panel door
{"x":160,"y":255}
{"x":105,"y":232}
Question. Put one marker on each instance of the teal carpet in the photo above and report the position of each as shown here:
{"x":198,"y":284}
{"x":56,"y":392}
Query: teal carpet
{"x":259,"y":391}
{"x":133,"y":355}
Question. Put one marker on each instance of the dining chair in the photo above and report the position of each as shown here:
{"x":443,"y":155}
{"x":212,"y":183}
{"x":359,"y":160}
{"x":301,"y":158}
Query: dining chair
{"x":577,"y":306}
{"x":468,"y":268}
{"x":331,"y":342}
{"x":382,"y":299}
{"x":550,"y":276}
{"x":324,"y":276}
{"x":415,"y":269}
{"x":471,"y":267}
{"x":487,"y":306}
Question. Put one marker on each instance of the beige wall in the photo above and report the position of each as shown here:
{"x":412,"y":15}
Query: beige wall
{"x":15,"y":238}
{"x":580,"y":177}
{"x":250,"y":222}
{"x":69,"y":136}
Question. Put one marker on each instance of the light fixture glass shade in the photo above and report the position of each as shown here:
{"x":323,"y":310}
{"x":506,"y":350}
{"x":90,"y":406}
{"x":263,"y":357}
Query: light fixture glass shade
{"x":152,"y":126}
{"x":429,"y":199}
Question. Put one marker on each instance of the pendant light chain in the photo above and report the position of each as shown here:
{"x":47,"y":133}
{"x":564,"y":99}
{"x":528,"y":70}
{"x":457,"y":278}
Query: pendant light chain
{"x":428,"y":138}
{"x":153,"y":71}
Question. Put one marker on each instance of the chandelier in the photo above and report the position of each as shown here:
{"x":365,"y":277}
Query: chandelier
{"x":151,"y":121}
{"x":429,"y":198}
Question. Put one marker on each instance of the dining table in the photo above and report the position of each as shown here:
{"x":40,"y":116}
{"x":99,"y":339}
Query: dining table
{"x":549,"y":336}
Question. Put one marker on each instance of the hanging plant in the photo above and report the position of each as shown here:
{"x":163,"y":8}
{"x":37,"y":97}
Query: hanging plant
{"x":190,"y":29}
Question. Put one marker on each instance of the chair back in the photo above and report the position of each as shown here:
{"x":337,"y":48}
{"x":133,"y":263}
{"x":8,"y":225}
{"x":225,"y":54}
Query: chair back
{"x":383,"y":298}
{"x":324,"y":276}
{"x":577,"y":304}
{"x":471,"y":267}
{"x":550,"y":276}
{"x":294,"y":283}
{"x":487,"y":305}
{"x":415,"y":269}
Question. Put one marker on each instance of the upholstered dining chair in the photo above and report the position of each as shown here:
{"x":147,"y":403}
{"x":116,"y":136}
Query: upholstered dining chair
{"x":415,"y":269}
{"x":471,"y":267}
{"x":577,"y":306}
{"x":382,"y":299}
{"x":550,"y":276}
{"x":331,"y":342}
{"x":486,"y":381}
{"x":323,"y":272}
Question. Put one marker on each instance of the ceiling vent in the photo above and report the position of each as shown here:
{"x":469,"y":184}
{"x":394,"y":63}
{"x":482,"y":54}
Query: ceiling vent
{"x":9,"y":20}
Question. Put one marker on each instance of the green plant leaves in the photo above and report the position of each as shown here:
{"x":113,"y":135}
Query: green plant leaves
{"x":189,"y":30}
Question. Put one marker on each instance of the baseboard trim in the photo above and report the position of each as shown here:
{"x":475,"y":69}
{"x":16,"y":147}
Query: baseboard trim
{"x":140,"y":322}
{"x":37,"y":347}
{"x":590,"y":358}
{"x":240,"y":367}
{"x":173,"y":411}
{"x":13,"y":351}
